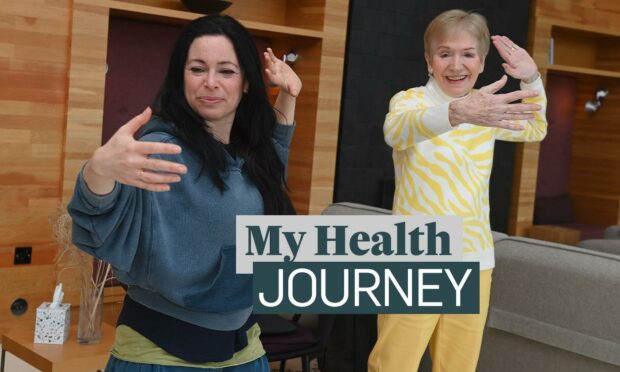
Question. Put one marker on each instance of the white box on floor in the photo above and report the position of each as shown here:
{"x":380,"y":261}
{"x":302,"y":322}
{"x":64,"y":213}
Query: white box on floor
{"x":52,"y":324}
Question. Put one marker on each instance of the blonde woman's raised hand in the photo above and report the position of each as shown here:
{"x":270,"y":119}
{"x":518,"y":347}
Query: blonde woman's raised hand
{"x":486,"y":108}
{"x":281,"y":74}
{"x":518,"y":63}
{"x":124,"y":159}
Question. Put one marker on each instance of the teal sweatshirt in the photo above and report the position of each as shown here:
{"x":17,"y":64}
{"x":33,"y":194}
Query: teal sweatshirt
{"x":176,"y":250}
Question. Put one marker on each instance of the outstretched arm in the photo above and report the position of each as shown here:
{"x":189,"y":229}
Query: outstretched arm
{"x":125,"y":160}
{"x":486,"y":108}
{"x":283,"y":76}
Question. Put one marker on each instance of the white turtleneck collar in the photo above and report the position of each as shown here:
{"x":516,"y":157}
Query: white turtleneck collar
{"x":438,"y":94}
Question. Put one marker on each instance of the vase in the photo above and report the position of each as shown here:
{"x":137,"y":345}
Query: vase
{"x":90,"y":316}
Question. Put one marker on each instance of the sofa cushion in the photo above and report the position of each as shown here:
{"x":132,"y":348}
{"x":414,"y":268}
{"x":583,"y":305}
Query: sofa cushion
{"x":611,"y":246}
{"x":555,"y":295}
{"x":347,"y":209}
{"x":498,"y":236}
{"x":612,"y":232}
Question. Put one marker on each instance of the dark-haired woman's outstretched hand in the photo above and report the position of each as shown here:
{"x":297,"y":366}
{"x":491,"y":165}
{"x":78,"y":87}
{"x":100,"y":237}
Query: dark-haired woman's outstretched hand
{"x":125,"y":160}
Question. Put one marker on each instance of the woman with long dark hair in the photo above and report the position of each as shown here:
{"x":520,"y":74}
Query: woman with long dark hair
{"x":162,"y":209}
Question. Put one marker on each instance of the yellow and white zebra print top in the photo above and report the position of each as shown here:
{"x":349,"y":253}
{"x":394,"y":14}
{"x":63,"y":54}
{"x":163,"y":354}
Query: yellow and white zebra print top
{"x":445,"y":170}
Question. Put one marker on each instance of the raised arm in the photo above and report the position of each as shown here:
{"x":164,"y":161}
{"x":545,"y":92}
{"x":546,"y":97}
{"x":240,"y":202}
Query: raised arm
{"x":411,"y":120}
{"x":283,"y":76}
{"x":486,"y":108}
{"x":520,"y":65}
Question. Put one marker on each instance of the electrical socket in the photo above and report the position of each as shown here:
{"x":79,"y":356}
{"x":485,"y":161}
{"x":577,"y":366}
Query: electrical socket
{"x":23,"y":255}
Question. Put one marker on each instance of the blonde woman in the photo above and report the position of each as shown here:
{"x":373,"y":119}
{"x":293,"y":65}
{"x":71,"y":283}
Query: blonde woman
{"x":443,"y":136}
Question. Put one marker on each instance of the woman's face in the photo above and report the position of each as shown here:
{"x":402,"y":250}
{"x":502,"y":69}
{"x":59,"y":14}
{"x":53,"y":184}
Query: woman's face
{"x":213,"y":79}
{"x":455,"y":63}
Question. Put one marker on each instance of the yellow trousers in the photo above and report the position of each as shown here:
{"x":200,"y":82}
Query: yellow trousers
{"x":454,"y":339}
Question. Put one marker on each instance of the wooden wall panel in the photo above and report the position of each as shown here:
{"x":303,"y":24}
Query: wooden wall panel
{"x":34,"y":45}
{"x":301,"y":152}
{"x":594,"y":183}
{"x":86,"y":89}
{"x":328,"y":113}
{"x":28,"y":282}
{"x":602,"y":13}
{"x":593,"y":15}
{"x":306,"y":13}
{"x":608,"y":57}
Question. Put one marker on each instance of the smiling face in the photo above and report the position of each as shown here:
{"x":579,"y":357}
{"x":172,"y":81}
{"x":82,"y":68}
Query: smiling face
{"x":455,"y":63}
{"x":213,"y":80}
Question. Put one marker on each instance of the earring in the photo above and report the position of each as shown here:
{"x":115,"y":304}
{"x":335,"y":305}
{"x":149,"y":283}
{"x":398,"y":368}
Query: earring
{"x":430,"y":73}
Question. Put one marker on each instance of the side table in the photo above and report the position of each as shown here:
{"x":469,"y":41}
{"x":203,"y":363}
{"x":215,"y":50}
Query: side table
{"x":68,"y":357}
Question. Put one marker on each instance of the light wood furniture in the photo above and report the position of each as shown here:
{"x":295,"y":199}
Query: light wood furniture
{"x":586,"y":40}
{"x":68,"y":357}
{"x":557,"y":234}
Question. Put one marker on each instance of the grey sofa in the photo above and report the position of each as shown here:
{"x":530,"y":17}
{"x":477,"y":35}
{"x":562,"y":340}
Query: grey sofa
{"x":554,"y":308}
{"x":609,"y":244}
{"x":612,"y":232}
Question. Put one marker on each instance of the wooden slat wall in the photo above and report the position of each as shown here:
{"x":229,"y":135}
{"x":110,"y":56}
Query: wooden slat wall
{"x":86,"y":89}
{"x":609,"y":56}
{"x":303,"y":146}
{"x":601,"y":14}
{"x":34,"y":45}
{"x":306,"y":14}
{"x":328,"y":113}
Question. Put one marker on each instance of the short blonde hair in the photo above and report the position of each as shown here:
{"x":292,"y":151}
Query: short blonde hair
{"x":456,"y":20}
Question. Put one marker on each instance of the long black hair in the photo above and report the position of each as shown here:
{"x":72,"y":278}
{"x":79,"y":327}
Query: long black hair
{"x":254,"y":121}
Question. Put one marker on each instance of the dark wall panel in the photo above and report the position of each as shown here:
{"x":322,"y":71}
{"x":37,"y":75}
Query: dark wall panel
{"x":138,"y":54}
{"x":556,"y":149}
